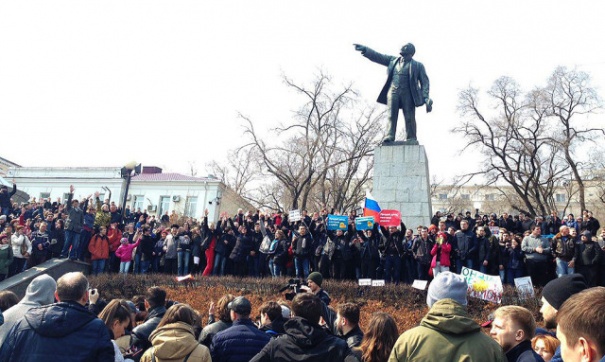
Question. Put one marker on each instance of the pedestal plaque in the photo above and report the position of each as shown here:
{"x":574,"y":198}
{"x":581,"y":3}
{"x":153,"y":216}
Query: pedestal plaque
{"x":401,"y":182}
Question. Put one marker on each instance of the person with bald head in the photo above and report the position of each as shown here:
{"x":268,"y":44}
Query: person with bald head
{"x":66,"y":330}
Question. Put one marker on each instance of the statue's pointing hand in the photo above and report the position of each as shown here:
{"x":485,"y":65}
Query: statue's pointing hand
{"x":360,"y":48}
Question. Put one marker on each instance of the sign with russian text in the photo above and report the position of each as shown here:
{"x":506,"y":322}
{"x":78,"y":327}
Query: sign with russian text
{"x":294,"y":215}
{"x":364,"y":223}
{"x":338,"y":222}
{"x":378,"y":283}
{"x":365,"y":282}
{"x":390,"y":218}
{"x":483,"y":286}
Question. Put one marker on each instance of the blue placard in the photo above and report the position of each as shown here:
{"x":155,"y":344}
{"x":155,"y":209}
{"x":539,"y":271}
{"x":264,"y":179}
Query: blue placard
{"x":364,"y":223}
{"x":338,"y":222}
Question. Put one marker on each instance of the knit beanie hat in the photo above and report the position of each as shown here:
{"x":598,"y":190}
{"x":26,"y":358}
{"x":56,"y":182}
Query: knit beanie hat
{"x":316,"y":278}
{"x":447,"y":285}
{"x":124,"y":241}
{"x":557,"y":291}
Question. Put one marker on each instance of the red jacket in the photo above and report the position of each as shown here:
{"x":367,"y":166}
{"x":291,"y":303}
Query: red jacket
{"x":98,"y":247}
{"x":444,"y":259}
{"x":114,"y":236}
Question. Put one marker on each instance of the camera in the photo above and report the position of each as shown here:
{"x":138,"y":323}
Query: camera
{"x":294,"y":285}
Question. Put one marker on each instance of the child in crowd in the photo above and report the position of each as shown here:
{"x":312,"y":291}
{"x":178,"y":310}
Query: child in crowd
{"x":124,"y":252}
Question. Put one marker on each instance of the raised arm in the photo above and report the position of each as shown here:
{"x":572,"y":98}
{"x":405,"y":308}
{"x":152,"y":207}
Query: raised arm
{"x":373,"y":55}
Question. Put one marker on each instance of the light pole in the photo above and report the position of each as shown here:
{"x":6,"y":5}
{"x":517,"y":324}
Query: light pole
{"x":127,"y":172}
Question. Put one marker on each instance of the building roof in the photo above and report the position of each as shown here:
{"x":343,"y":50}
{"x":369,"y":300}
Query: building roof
{"x":169,"y":177}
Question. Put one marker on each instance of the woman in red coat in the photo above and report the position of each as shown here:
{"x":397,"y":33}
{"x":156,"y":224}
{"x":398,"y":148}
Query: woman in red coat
{"x":441,"y":254}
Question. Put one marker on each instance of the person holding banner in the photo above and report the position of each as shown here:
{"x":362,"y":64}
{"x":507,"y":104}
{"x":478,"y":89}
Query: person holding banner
{"x":392,"y":250}
{"x":342,"y":259}
{"x":368,"y":249}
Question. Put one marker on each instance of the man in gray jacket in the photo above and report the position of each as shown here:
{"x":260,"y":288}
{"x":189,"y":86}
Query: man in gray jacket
{"x":40,"y":291}
{"x":537,"y":251}
{"x":73,"y":227}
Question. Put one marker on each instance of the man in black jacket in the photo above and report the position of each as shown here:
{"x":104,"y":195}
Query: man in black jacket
{"x":5,"y":199}
{"x":155,"y":303}
{"x":304,"y":340}
{"x":347,"y":324}
{"x":64,"y":331}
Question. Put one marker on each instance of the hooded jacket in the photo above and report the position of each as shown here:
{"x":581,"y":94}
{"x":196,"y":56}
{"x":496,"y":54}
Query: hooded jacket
{"x":303,"y":341}
{"x":67,"y":331}
{"x":175,"y":341}
{"x":40,"y":291}
{"x":446,"y":333}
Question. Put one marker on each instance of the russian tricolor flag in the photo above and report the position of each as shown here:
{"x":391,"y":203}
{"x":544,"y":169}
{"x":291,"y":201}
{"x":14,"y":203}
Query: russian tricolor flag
{"x":371,"y":208}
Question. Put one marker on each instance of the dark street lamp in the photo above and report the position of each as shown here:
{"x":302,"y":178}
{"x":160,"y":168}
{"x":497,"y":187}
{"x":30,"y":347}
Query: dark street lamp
{"x":127,"y":172}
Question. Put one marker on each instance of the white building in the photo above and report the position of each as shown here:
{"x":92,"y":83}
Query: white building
{"x":152,"y":190}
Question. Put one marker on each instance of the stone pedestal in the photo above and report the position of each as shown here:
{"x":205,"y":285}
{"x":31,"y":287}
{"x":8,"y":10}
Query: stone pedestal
{"x":401,"y":182}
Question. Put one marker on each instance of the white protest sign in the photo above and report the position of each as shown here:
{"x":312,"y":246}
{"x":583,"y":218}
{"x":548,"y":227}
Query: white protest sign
{"x":483,"y":286}
{"x":525,"y":288}
{"x":378,"y":283}
{"x":365,"y":281}
{"x":420,"y":284}
{"x":294,"y":215}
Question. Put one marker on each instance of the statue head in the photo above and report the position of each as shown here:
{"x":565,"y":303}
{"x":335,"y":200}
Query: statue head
{"x":407,"y":51}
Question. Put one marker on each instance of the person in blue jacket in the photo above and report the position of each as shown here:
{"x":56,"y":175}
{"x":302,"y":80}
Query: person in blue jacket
{"x":64,"y":331}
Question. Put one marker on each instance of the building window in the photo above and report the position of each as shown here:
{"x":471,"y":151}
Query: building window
{"x":490,"y":197}
{"x":138,"y":203}
{"x":560,"y":198}
{"x":465,"y":196}
{"x":164,"y":205}
{"x":191,"y":206}
{"x":44,"y":195}
{"x":442,"y":196}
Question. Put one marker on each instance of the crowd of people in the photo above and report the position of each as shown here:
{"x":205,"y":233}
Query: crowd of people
{"x":81,"y":326}
{"x":256,"y":244}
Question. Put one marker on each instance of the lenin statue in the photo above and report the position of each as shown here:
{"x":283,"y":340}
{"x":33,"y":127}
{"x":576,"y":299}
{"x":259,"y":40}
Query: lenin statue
{"x":406,"y":88}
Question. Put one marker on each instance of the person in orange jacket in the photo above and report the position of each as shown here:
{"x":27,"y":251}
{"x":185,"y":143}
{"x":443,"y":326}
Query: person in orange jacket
{"x":99,"y":250}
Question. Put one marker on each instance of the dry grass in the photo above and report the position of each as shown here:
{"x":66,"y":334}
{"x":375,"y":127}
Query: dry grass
{"x":406,"y":304}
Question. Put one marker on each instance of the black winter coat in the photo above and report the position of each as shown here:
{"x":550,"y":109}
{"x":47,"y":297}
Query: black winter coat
{"x":303,"y":341}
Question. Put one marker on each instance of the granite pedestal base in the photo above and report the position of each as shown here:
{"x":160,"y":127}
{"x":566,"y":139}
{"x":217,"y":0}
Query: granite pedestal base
{"x":401,"y":182}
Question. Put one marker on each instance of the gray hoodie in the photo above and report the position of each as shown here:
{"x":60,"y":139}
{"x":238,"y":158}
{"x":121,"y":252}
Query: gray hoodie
{"x":41,"y":291}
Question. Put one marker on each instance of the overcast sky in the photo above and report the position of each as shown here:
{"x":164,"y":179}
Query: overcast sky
{"x":102,"y":83}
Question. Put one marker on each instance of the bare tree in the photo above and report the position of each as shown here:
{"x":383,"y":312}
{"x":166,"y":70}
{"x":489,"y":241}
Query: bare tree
{"x":515,"y":144}
{"x":239,"y":171}
{"x":568,"y":96}
{"x":322,"y":155}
